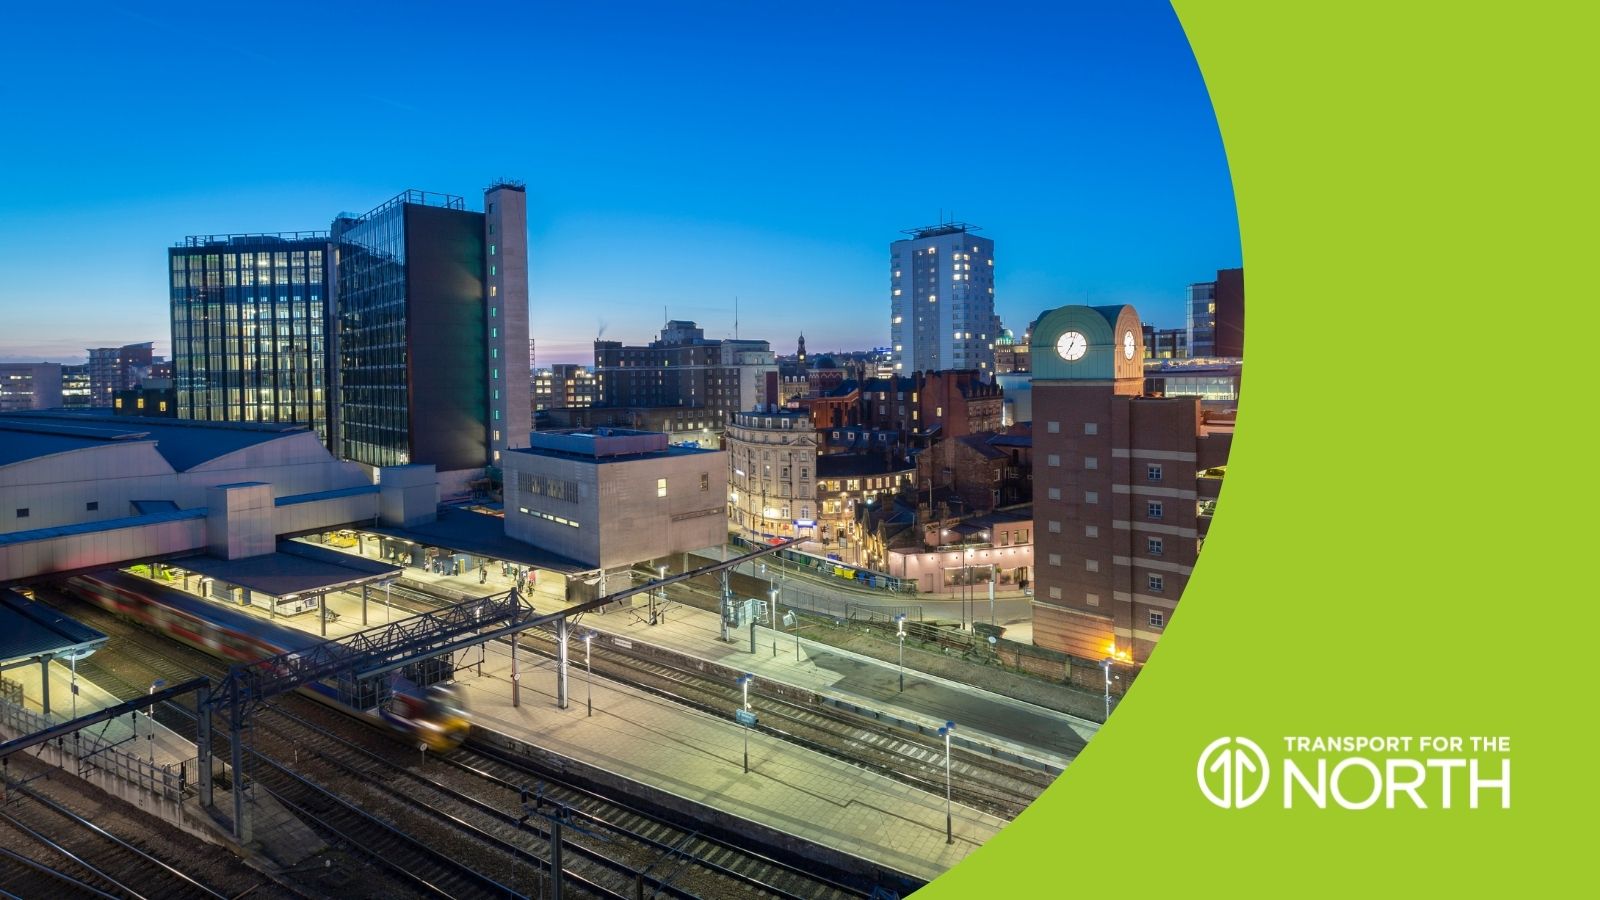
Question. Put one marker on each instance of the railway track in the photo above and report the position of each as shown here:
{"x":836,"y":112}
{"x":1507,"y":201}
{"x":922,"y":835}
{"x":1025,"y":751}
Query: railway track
{"x":608,"y":850}
{"x":373,"y":794}
{"x":978,"y":781}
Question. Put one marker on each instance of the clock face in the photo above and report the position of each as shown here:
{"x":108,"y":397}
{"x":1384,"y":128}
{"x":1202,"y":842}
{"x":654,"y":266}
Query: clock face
{"x":1072,"y":345}
{"x":1128,"y":344}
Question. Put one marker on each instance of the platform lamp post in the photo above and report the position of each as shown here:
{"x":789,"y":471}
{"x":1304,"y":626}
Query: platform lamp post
{"x":150,"y":713}
{"x":900,"y":629}
{"x":388,"y":608}
{"x":744,"y":682}
{"x":1106,"y":665}
{"x":588,"y":670}
{"x":949,"y":823}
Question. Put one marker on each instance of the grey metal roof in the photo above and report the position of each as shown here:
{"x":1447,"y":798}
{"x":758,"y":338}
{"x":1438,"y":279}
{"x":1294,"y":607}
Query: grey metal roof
{"x":38,"y":534}
{"x":466,"y":531}
{"x":296,"y":568}
{"x":183,"y":443}
{"x":29,"y":629}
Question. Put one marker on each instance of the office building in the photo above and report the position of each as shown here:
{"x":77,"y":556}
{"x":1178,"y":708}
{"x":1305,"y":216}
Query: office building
{"x":1216,"y":315}
{"x":942,"y":300}
{"x":1124,"y":485}
{"x":564,"y":386}
{"x":771,"y":491}
{"x":615,"y":497}
{"x":113,"y":369}
{"x":29,"y":386}
{"x":684,"y":368}
{"x":432,"y":338}
{"x":76,"y":391}
{"x":250,"y":326}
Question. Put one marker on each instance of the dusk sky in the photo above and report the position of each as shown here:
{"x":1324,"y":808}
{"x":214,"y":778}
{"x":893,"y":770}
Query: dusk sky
{"x":676,"y":155}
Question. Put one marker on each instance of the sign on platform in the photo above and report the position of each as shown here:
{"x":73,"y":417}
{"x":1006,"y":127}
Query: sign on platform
{"x":747,"y":719}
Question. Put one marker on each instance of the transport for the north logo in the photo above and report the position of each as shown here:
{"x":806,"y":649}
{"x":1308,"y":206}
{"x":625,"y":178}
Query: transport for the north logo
{"x":1360,"y":772}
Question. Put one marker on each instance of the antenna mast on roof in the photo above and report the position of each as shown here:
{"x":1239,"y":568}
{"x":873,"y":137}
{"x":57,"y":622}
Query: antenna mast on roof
{"x":736,"y":317}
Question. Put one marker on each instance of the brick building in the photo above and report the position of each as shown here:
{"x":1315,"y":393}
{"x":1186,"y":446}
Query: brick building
{"x":986,"y":471}
{"x":927,"y":404}
{"x":1124,"y":487}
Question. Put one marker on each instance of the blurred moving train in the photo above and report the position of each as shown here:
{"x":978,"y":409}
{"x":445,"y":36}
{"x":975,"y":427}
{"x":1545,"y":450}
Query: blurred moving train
{"x":436,"y":716}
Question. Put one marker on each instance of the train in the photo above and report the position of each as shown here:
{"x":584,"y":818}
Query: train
{"x":435,"y":717}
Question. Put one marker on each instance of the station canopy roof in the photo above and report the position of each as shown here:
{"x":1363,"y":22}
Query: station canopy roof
{"x":31,"y":630}
{"x":295,"y":569}
{"x":481,"y":534}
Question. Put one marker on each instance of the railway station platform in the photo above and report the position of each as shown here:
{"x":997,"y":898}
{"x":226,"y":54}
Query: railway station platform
{"x":699,"y":758}
{"x":870,"y":686}
{"x":693,"y":759}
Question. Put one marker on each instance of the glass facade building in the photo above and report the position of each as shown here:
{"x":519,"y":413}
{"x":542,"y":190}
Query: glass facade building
{"x":249,"y":328}
{"x":414,"y":366}
{"x":400,"y":335}
{"x":1202,"y":305}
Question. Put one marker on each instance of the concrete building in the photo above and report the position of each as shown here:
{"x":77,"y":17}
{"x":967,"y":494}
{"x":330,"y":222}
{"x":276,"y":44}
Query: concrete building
{"x":250,"y":325}
{"x":1124,"y":486}
{"x":772,"y":493}
{"x":682,"y":424}
{"x":614,"y":497}
{"x":113,"y":369}
{"x":432,"y":337}
{"x":30,"y":386}
{"x":941,"y":304}
{"x":684,"y":368}
{"x":1214,"y":380}
{"x":80,"y":491}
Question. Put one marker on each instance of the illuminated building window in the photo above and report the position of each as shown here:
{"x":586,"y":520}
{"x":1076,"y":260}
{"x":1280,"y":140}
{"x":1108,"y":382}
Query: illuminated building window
{"x":661,"y":487}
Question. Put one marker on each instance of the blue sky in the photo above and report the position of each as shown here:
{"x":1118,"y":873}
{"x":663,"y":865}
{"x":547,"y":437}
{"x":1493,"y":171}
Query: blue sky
{"x":676,"y":155}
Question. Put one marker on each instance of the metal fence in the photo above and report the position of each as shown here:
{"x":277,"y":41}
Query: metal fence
{"x":748,"y":580}
{"x":832,"y":568}
{"x":94,"y":749}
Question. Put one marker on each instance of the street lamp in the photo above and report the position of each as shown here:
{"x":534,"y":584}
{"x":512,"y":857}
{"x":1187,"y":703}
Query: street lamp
{"x":388,"y":609}
{"x":949,"y":828}
{"x":588,"y":670}
{"x":1106,"y":664}
{"x":900,"y":628}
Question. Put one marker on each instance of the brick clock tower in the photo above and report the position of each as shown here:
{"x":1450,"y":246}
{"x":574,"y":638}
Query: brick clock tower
{"x":1114,"y":487}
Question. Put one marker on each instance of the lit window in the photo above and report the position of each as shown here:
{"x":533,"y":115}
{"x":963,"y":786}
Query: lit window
{"x":661,"y":487}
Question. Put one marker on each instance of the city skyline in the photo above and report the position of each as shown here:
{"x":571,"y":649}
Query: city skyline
{"x":697,"y":160}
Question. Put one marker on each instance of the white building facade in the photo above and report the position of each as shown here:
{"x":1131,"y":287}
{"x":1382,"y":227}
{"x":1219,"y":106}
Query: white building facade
{"x":942,"y":300}
{"x":772,"y":488}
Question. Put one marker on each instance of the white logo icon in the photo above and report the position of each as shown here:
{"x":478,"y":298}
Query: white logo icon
{"x":1240,"y":764}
